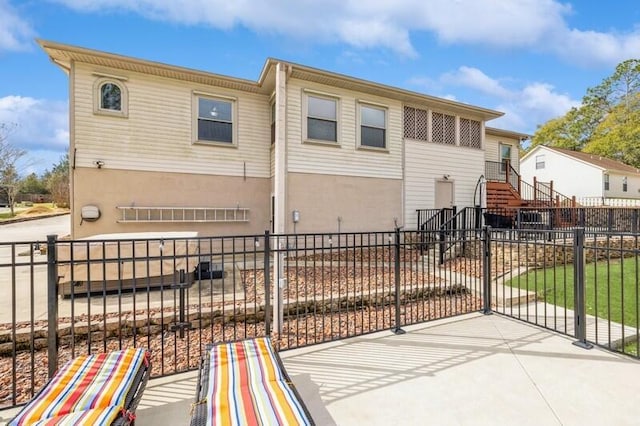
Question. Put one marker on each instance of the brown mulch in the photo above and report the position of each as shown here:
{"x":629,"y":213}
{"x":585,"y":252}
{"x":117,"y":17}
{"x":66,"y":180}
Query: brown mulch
{"x":24,"y":375}
{"x":309,"y":282}
{"x":379,"y":254}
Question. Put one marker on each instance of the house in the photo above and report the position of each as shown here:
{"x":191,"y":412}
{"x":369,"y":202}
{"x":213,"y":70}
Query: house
{"x":160,"y":147}
{"x":586,"y":176}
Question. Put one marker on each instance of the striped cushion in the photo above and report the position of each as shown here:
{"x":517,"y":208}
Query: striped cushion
{"x":91,"y":382}
{"x":96,"y":416}
{"x":246,"y":387}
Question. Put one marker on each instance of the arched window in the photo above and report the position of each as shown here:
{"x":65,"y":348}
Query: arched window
{"x":110,"y":97}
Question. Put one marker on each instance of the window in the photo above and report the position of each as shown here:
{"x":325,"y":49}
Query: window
{"x":624,"y":184}
{"x":505,"y":156}
{"x":110,"y":97}
{"x":373,"y":126}
{"x":215,"y":120}
{"x":539,"y":162}
{"x":606,"y":182}
{"x":322,"y":118}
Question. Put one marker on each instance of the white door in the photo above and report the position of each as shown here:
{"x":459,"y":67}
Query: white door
{"x":444,"y":194}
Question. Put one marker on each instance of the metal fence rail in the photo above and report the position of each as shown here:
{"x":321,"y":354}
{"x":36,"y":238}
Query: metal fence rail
{"x":175,"y":295}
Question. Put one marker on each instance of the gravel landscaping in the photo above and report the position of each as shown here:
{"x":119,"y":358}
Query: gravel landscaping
{"x":172,"y":354}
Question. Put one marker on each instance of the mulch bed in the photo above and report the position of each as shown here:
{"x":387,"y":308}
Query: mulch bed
{"x":24,"y":375}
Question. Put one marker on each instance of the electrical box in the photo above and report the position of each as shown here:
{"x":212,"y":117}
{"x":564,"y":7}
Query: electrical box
{"x":90,"y":213}
{"x":296,"y":216}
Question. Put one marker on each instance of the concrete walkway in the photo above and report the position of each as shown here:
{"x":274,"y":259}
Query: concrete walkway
{"x":468,"y":370}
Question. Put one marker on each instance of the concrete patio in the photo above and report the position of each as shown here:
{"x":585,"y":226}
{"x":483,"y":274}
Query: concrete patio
{"x":467,"y":370}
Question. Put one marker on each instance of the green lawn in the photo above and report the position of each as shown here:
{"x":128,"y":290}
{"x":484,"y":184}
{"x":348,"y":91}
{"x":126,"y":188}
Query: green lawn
{"x":612,"y":289}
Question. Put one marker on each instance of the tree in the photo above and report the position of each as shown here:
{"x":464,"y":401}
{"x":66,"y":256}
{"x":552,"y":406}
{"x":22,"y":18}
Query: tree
{"x":32,"y":184}
{"x":618,"y":135}
{"x":9,"y":158}
{"x":603,"y":108}
{"x":58,"y":182}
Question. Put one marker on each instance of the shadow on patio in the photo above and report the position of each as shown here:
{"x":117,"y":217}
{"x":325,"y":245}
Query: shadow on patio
{"x":471,"y":369}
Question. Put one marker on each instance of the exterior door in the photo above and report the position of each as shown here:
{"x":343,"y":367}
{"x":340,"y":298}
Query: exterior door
{"x":444,"y":194}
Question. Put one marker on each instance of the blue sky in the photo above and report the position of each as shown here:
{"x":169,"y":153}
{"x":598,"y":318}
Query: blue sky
{"x":532,"y":59}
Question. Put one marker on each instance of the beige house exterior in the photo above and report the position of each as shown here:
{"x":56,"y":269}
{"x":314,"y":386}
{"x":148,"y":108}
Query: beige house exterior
{"x":501,"y":145}
{"x":156,"y":147}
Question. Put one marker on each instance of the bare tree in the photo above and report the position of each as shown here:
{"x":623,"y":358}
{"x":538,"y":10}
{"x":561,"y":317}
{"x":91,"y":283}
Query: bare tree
{"x":9,"y":158}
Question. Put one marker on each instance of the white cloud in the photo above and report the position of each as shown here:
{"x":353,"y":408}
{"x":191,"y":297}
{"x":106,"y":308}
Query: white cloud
{"x":41,"y":125}
{"x":477,"y":80}
{"x":525,"y":106}
{"x":15,"y":32}
{"x":538,"y":25}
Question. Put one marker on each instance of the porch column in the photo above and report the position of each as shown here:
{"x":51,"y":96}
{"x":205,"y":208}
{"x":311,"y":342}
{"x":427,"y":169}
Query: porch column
{"x":280,"y":179}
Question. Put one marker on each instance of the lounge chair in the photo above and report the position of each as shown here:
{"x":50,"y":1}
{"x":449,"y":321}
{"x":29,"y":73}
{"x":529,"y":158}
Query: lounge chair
{"x":245,"y":383}
{"x":100,"y":389}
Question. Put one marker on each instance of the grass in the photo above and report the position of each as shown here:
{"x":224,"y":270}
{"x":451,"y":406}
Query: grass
{"x":612,"y":289}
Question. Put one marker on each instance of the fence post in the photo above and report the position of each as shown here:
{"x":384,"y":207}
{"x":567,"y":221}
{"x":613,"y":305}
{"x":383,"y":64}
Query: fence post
{"x":579,"y":290}
{"x":267,"y":283}
{"x":396,"y":329}
{"x":52,"y":305}
{"x":610,"y":219}
{"x":486,"y":269}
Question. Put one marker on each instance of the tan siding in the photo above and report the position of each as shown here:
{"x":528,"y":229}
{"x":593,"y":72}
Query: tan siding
{"x":426,"y":163}
{"x":107,"y":189}
{"x":157,"y":135}
{"x":345,"y":159}
{"x":362,"y":204}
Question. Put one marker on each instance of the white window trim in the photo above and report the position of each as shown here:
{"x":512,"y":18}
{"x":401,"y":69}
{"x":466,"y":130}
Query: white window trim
{"x":194,"y":119}
{"x":305,"y":115}
{"x":385,"y":108}
{"x":124,"y":98}
{"x":543,"y":161}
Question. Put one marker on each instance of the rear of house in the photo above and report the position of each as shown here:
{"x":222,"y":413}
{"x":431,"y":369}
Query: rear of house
{"x":155,"y":147}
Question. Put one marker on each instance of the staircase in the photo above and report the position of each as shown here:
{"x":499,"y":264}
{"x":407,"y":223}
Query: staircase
{"x":506,"y":190}
{"x":501,"y":195}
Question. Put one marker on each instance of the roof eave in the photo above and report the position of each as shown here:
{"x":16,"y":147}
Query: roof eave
{"x":62,"y":54}
{"x":394,"y":92}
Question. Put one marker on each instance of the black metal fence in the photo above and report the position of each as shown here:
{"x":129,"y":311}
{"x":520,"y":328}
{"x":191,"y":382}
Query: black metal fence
{"x":175,"y":295}
{"x":593,"y":219}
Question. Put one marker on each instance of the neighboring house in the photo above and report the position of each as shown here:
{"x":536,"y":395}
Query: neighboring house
{"x":159,"y":147}
{"x":580,"y":174}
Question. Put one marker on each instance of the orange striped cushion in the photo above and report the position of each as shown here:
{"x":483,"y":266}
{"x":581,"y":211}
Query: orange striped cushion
{"x":91,"y":382}
{"x":247,"y":387}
